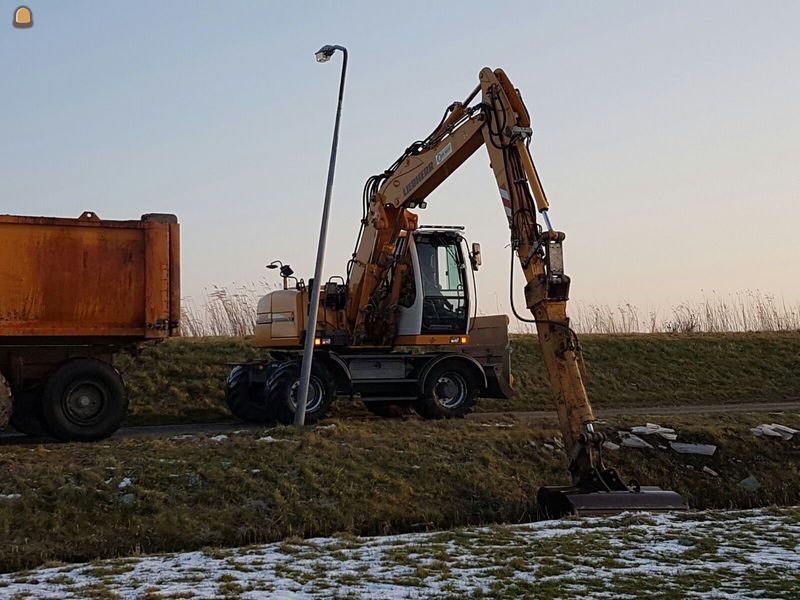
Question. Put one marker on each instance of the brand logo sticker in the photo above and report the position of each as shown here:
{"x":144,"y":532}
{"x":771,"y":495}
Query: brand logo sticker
{"x":444,"y":153}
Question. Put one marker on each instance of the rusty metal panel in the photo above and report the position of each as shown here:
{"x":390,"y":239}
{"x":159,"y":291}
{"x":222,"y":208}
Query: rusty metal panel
{"x":86,"y":276}
{"x":175,"y":278}
{"x":156,"y":287}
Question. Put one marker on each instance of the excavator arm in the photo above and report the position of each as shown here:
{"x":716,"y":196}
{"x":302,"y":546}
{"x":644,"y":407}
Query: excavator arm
{"x":500,"y":122}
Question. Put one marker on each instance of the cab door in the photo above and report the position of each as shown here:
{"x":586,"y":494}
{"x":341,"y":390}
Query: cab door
{"x":445,"y":295}
{"x":409,"y":309}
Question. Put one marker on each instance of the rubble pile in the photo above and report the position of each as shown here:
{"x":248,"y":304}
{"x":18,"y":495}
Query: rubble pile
{"x":661,"y":437}
{"x":774,"y":430}
{"x":652,"y":436}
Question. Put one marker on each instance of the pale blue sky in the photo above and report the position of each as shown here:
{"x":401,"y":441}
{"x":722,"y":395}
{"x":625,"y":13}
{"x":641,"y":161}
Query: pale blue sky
{"x":667,"y":135}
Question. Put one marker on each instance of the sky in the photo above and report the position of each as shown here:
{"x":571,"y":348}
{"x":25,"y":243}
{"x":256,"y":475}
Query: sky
{"x":667,"y":135}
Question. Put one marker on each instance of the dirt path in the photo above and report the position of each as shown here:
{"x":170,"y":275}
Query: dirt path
{"x":12,"y":437}
{"x":698,"y":409}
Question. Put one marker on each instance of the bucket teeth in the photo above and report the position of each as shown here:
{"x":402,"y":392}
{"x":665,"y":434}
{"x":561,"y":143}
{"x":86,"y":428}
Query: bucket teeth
{"x":557,"y":502}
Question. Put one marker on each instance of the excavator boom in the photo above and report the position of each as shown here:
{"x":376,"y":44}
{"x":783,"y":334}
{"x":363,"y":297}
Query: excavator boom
{"x":500,"y":122}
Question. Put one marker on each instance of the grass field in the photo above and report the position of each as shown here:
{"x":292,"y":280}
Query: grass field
{"x":122,"y":497}
{"x":183,"y":380}
{"x":745,"y":554}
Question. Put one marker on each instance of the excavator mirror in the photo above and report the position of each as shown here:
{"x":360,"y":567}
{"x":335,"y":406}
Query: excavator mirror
{"x":475,"y":256}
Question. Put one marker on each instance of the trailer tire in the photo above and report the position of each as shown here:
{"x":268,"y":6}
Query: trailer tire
{"x":27,"y":416}
{"x":451,"y":390}
{"x":84,"y":400}
{"x":246,"y":401}
{"x":321,"y":394}
{"x":6,"y":403}
{"x":389,"y":410}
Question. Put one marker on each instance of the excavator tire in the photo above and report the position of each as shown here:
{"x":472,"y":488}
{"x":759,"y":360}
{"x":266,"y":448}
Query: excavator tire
{"x":389,"y":410}
{"x":246,"y":401}
{"x":451,"y":390}
{"x":27,"y":417}
{"x":6,"y":403}
{"x":321,"y":394}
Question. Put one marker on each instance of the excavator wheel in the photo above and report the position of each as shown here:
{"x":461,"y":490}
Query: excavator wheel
{"x":6,"y":404}
{"x":450,"y":391}
{"x":321,"y":394}
{"x":389,"y":410}
{"x":247,"y":401}
{"x":27,"y":417}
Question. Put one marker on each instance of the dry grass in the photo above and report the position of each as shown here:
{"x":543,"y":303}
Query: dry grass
{"x":226,"y":312}
{"x":741,"y":312}
{"x":223,"y":312}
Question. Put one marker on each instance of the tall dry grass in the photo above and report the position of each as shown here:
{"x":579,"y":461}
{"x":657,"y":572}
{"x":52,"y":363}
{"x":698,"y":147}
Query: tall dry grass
{"x":226,"y":312}
{"x":223,"y":312}
{"x":740,"y":312}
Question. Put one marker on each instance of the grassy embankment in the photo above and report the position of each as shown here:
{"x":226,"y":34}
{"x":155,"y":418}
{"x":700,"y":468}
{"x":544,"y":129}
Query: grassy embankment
{"x":75,"y":502}
{"x":183,"y":380}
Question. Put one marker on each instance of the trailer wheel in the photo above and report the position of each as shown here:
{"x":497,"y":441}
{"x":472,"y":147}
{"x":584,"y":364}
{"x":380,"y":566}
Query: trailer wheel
{"x":246,"y":401}
{"x":451,"y":390}
{"x":84,"y":400}
{"x":6,"y":403}
{"x":389,"y":410}
{"x":27,"y":416}
{"x":321,"y":394}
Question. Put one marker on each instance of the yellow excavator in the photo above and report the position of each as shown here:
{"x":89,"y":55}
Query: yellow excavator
{"x":401,"y":330}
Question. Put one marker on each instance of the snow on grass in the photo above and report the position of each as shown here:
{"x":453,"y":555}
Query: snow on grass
{"x":738,"y":554}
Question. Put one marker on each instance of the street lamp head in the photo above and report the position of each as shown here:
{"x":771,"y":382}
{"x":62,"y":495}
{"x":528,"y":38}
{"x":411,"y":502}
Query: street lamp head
{"x":324,"y":54}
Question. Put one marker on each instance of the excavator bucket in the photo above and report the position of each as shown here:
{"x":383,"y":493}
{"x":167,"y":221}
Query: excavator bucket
{"x":557,"y":502}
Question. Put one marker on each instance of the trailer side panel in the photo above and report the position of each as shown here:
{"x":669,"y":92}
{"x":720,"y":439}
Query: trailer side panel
{"x":89,"y":278}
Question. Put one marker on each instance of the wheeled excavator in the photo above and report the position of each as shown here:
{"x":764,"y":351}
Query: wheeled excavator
{"x":401,"y":329}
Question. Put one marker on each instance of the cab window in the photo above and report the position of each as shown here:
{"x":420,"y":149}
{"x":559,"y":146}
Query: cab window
{"x":442,"y":271}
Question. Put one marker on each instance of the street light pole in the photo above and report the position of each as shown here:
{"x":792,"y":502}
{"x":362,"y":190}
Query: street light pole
{"x":323,"y":55}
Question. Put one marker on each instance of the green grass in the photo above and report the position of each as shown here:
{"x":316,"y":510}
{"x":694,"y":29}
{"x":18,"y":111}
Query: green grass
{"x":183,"y":380}
{"x":375,"y":477}
{"x":674,"y":369}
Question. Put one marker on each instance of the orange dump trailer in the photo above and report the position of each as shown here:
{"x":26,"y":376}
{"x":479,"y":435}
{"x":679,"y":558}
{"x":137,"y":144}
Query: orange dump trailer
{"x":73,"y":292}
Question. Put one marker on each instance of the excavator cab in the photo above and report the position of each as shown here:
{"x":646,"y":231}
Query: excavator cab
{"x":437,"y":296}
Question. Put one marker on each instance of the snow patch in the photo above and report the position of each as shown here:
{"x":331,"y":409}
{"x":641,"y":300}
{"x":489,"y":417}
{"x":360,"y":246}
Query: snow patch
{"x":646,"y":550}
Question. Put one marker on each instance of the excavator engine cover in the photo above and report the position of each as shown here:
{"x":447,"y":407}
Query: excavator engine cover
{"x":557,"y":502}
